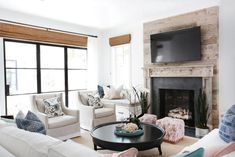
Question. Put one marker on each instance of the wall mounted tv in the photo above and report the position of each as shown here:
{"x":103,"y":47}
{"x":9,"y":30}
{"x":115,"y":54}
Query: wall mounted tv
{"x":176,"y":46}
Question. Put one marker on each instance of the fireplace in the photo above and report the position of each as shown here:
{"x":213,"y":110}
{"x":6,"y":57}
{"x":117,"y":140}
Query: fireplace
{"x":175,"y":97}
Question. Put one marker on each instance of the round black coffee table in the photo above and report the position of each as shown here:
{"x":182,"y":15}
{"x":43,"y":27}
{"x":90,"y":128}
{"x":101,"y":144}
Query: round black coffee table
{"x":104,"y":137}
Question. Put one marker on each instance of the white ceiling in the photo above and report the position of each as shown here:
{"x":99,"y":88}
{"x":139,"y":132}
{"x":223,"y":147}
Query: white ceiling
{"x":105,"y":14}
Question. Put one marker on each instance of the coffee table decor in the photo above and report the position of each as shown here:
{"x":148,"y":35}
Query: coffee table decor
{"x":128,"y":129}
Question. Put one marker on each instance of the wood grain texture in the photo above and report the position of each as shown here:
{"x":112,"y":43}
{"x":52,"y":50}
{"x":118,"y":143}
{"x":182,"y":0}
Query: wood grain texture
{"x":119,"y":40}
{"x":41,"y":35}
{"x":207,"y":67}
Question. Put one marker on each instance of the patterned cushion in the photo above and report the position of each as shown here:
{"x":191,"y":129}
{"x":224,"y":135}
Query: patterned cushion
{"x":30,"y":123}
{"x":53,"y":107}
{"x":227,"y":125}
{"x":94,"y":101}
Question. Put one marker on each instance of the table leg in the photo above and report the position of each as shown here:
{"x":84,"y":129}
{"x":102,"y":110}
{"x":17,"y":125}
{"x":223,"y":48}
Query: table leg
{"x":95,"y":147}
{"x":160,"y":149}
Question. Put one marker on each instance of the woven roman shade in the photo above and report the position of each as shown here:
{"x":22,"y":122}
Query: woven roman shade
{"x":41,"y":35}
{"x":119,"y":40}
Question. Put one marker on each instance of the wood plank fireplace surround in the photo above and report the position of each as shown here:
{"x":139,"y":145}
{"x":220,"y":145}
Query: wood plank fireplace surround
{"x":159,"y":76}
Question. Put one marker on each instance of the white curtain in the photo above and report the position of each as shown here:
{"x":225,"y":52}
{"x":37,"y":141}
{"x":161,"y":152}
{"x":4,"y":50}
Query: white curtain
{"x":92,"y":63}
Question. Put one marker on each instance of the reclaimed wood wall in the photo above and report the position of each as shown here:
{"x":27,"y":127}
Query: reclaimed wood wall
{"x":207,"y":67}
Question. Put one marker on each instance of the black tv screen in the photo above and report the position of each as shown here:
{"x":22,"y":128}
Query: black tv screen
{"x":176,"y":46}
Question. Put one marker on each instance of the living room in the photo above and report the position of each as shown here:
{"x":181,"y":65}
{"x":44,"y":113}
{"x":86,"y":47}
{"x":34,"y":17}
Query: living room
{"x":115,"y":45}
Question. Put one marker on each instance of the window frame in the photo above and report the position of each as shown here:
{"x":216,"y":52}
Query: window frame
{"x":39,"y":69}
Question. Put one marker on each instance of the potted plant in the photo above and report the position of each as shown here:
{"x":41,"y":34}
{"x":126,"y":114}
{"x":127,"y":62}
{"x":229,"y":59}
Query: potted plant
{"x":201,"y":115}
{"x":142,"y":98}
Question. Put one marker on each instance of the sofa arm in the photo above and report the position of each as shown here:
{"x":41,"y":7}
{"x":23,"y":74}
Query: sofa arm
{"x":43,"y":117}
{"x":71,"y":112}
{"x":86,"y":111}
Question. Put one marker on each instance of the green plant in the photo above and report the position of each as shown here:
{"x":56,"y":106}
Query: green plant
{"x":143,"y":100}
{"x":201,"y":111}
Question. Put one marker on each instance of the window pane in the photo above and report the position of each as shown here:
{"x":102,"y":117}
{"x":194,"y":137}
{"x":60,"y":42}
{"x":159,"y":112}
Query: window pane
{"x":77,"y":58}
{"x":121,"y":65}
{"x":77,"y":79}
{"x":52,"y":80}
{"x":17,"y":103}
{"x":21,"y":81}
{"x":52,"y":57}
{"x":73,"y":99}
{"x":20,"y":55}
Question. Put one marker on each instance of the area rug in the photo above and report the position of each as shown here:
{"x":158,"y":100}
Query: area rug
{"x":168,"y":149}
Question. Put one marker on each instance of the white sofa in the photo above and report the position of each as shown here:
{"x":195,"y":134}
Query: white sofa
{"x":209,"y":142}
{"x":15,"y":142}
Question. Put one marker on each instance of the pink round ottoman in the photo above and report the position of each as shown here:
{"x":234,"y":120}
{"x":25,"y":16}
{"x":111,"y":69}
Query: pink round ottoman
{"x":148,"y":118}
{"x":173,"y":127}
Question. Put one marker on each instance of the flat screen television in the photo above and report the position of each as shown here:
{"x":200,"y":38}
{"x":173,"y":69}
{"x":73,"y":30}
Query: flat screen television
{"x":176,"y":46}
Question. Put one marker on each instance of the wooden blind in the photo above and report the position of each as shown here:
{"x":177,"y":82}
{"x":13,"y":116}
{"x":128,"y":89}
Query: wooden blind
{"x":35,"y":34}
{"x":119,"y":40}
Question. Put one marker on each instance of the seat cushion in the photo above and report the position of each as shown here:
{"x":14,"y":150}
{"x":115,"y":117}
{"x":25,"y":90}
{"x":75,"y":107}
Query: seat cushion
{"x":103,"y":112}
{"x":57,"y":122}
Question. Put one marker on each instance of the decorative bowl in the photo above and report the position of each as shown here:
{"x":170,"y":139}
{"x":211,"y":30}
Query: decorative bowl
{"x":129,"y":134}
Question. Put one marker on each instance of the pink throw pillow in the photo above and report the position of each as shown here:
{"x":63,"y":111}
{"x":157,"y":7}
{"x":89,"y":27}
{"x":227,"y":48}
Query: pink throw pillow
{"x":132,"y":152}
{"x":220,"y":151}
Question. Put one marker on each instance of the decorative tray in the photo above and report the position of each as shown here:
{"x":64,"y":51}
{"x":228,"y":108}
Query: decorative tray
{"x":128,"y":134}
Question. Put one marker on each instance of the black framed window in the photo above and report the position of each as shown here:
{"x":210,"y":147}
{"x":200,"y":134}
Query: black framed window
{"x":34,"y":68}
{"x":52,"y":68}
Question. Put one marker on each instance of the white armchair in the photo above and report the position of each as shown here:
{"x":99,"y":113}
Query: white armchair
{"x":61,"y":127}
{"x":91,"y":117}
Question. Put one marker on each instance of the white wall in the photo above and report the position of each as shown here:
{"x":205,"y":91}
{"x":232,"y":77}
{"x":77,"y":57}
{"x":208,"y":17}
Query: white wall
{"x":226,"y":55}
{"x":39,"y":21}
{"x":2,"y":80}
{"x":136,"y":31}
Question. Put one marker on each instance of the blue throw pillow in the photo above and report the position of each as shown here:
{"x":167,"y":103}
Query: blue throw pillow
{"x":197,"y":153}
{"x":227,"y":125}
{"x":31,"y":116}
{"x":100,"y":91}
{"x":31,"y":123}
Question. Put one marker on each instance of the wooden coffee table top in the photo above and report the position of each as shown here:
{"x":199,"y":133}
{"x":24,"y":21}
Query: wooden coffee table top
{"x":103,"y":136}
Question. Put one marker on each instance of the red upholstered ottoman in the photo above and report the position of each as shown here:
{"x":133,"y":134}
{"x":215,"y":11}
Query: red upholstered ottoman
{"x":173,"y":127}
{"x":149,"y":118}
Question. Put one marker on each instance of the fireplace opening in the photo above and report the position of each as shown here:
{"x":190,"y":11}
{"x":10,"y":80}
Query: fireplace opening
{"x":176,"y":97}
{"x":178,"y":103}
